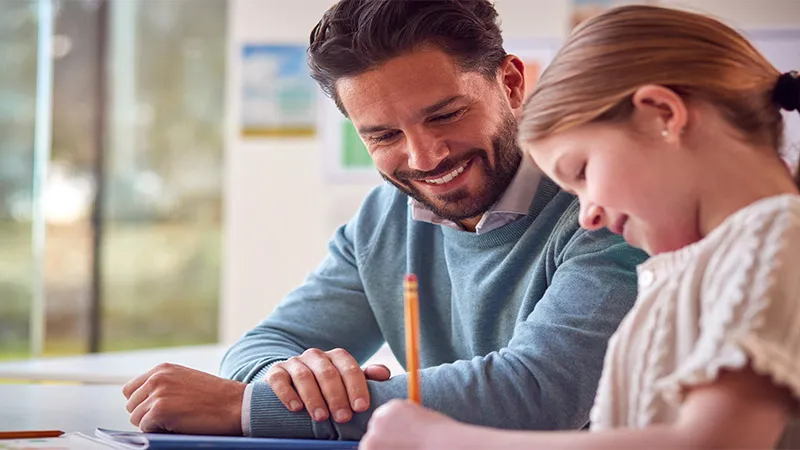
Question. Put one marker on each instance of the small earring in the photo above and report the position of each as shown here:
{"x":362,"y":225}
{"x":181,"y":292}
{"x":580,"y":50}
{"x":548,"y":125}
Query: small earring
{"x":664,"y":133}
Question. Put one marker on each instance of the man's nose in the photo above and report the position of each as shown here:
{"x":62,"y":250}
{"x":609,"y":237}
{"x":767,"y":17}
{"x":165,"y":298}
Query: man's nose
{"x":426,"y":152}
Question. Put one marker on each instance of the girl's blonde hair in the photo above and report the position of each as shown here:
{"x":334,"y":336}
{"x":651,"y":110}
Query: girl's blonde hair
{"x":595,"y":74}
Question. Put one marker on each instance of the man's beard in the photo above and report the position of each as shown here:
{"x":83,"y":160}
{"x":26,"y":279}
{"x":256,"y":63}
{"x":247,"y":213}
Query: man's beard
{"x":460,"y":204}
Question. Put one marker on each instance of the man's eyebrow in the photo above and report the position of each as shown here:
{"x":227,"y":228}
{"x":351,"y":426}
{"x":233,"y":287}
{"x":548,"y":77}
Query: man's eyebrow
{"x":373,"y":129}
{"x":426,"y":111}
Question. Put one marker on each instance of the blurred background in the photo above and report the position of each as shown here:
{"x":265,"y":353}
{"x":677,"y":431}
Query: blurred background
{"x":131,"y":191}
{"x":143,"y":202}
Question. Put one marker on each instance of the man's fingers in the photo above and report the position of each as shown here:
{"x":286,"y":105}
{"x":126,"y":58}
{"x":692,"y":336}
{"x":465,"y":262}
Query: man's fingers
{"x":138,"y":396}
{"x":305,"y":383}
{"x":131,"y":386}
{"x":281,"y":383}
{"x":139,"y":412}
{"x":330,"y":384}
{"x":150,"y":423}
{"x":326,"y":383}
{"x":377,"y":372}
{"x":354,"y":379}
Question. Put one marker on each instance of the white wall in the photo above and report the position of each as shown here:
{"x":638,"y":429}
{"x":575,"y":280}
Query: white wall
{"x":279,"y":214}
{"x":746,"y":13}
{"x":273,"y":193}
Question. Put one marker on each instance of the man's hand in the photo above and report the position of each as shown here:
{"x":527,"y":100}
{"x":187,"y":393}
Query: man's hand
{"x":324,"y":382}
{"x":177,"y":399}
{"x":403,"y":425}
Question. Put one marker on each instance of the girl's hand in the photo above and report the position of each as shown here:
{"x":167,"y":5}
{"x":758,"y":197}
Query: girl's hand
{"x":400,"y":424}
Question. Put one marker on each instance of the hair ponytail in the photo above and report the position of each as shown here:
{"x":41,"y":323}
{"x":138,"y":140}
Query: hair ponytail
{"x":787,"y":91}
{"x":787,"y":96}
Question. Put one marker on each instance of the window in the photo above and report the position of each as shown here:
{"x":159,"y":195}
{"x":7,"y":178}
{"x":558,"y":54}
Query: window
{"x":18,"y":31}
{"x":133,"y":196}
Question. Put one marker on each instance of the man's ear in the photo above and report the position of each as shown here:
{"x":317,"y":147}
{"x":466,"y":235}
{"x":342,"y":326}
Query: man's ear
{"x":660,"y":110}
{"x":512,"y":76}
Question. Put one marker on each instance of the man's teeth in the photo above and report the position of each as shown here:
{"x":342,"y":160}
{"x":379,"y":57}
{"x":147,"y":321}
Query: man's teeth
{"x":447,"y":178}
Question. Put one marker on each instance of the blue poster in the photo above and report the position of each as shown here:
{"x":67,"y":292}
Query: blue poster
{"x":278,"y":94}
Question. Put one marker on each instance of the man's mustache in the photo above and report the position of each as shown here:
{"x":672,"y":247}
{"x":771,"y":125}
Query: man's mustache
{"x":444,"y":167}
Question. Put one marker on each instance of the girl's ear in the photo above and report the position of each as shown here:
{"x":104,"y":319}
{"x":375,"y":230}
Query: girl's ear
{"x":660,"y":110}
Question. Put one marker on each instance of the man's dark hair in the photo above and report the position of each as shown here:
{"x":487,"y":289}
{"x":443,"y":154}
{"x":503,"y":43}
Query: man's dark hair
{"x":355,"y":36}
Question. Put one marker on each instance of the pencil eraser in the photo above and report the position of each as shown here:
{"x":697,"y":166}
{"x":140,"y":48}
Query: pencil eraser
{"x":411,"y":278}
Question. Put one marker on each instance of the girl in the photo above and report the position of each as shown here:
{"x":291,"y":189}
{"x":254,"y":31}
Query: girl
{"x":667,"y":126}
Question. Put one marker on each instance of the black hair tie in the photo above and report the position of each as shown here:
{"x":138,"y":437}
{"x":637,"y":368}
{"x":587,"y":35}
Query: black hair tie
{"x":787,"y":91}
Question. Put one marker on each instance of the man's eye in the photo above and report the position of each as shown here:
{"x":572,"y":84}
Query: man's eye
{"x":448,"y":116}
{"x":383,"y":137}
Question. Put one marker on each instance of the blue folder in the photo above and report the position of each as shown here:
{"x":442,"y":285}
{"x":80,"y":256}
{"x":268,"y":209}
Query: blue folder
{"x":157,"y":441}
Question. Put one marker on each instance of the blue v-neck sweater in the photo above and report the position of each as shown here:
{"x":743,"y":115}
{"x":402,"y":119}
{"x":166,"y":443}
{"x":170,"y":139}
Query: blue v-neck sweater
{"x":513,"y":323}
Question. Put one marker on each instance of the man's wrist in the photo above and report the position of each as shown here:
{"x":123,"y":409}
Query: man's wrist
{"x":247,"y":400}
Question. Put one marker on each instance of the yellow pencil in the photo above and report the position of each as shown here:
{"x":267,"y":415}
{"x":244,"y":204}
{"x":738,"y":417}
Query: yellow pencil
{"x":410,"y":291}
{"x":33,"y":434}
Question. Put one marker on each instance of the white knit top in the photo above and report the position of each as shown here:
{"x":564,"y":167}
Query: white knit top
{"x":730,"y":299}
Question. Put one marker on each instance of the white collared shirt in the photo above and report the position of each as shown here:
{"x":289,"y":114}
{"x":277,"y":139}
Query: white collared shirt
{"x":513,"y":204}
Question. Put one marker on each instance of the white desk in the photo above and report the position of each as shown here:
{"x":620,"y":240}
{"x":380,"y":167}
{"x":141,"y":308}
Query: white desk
{"x":62,"y":407}
{"x":84,"y":407}
{"x":111,"y":368}
{"x":120,"y":367}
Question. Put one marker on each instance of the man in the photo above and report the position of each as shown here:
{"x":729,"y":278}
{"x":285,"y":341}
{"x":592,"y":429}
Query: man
{"x":516,"y":301}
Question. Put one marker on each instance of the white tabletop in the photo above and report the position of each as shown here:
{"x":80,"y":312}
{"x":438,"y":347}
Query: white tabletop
{"x":62,"y":407}
{"x":120,"y":367}
{"x":113,"y":367}
{"x":84,"y":407}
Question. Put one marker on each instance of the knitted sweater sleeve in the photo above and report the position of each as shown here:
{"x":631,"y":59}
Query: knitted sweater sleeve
{"x":329,"y":310}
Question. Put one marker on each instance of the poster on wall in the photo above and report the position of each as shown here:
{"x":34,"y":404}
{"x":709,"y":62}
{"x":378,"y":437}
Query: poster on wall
{"x":346,"y":157}
{"x":279,"y":97}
